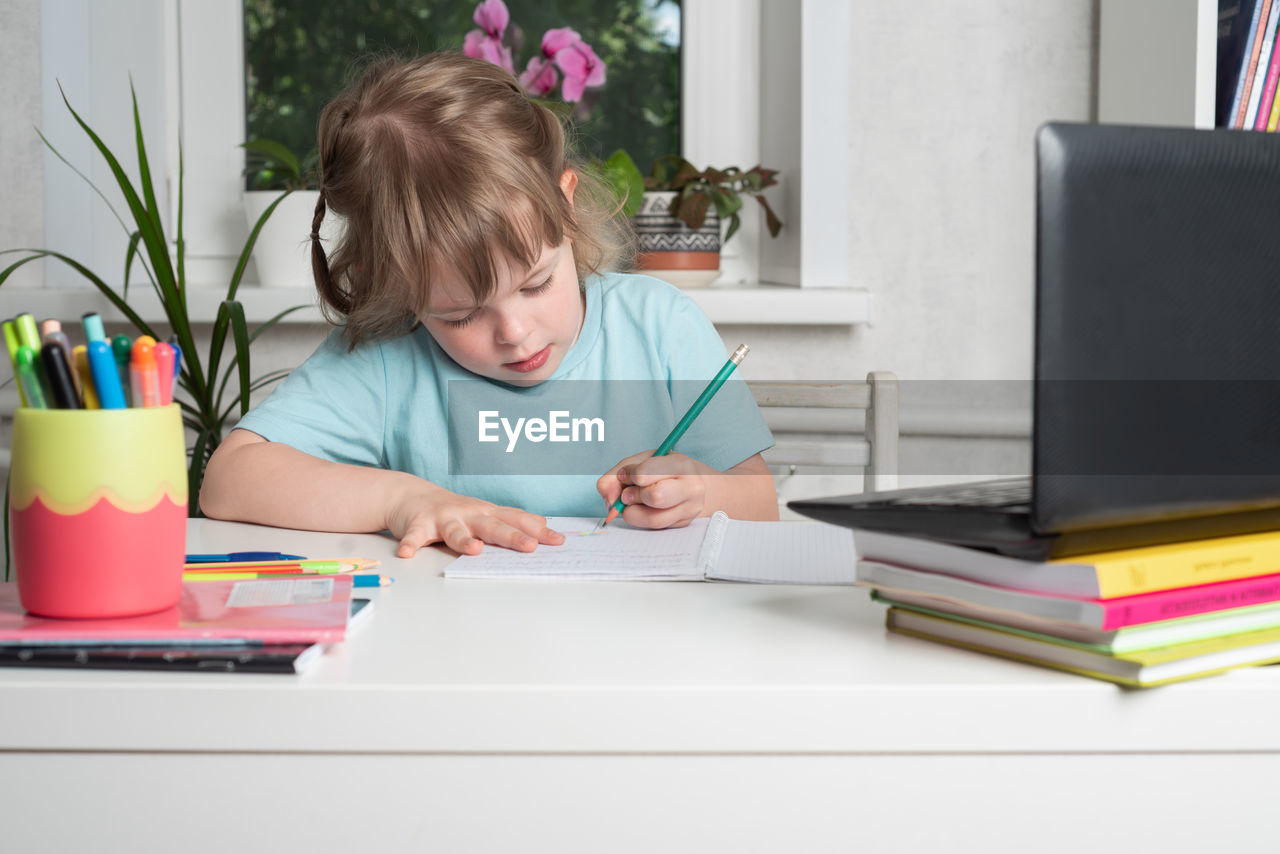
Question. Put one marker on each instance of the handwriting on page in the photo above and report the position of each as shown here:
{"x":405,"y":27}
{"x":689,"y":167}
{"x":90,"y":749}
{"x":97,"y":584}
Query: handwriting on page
{"x":617,"y":551}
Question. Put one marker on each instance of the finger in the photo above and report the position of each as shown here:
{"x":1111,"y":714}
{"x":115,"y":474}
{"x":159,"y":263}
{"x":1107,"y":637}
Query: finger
{"x":660,"y":495}
{"x":532,"y":524}
{"x":500,"y":533}
{"x":415,"y":538}
{"x":459,"y":537}
{"x":641,"y":516}
{"x":657,"y":468}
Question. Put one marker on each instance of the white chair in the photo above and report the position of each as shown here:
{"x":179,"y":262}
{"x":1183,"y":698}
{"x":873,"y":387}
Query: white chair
{"x":829,"y":432}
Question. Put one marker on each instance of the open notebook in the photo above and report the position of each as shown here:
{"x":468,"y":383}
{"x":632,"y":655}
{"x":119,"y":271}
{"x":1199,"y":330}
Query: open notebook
{"x":716,"y":548}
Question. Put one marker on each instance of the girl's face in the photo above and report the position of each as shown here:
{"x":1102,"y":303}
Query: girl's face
{"x":521,"y":334}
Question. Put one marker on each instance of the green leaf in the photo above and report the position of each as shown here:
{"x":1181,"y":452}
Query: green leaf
{"x":624,"y":176}
{"x":271,"y":152}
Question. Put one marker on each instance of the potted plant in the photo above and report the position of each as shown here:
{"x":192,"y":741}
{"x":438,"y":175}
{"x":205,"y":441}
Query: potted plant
{"x":677,"y":209}
{"x":277,"y":176}
{"x":211,"y":396}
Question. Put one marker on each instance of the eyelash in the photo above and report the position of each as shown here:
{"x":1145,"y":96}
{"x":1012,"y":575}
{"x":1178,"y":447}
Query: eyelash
{"x":534,"y":291}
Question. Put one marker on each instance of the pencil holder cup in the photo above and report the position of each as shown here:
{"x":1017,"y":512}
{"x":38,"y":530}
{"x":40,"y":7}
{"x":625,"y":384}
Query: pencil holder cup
{"x":98,"y":510}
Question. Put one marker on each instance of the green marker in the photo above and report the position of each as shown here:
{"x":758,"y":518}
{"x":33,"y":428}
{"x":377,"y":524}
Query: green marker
{"x":28,"y":335}
{"x":683,"y":425}
{"x":120,"y":349}
{"x":26,"y":366}
{"x":11,"y":344}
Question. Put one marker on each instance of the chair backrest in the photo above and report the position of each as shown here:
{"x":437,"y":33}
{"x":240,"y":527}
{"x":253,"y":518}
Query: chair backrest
{"x":833,"y":427}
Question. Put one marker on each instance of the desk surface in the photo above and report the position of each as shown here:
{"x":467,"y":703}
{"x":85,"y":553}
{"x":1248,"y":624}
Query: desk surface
{"x":464,"y":666}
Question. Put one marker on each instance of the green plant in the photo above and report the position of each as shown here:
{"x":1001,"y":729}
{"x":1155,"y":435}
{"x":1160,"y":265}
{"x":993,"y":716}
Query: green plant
{"x":209,"y":403}
{"x":697,"y":190}
{"x":272,"y":165}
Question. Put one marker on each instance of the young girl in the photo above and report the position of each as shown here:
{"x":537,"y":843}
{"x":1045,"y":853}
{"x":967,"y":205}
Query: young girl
{"x":470,"y":274}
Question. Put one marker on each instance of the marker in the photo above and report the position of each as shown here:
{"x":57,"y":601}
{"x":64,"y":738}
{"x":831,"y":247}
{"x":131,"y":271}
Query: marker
{"x":11,"y":344}
{"x":27,"y":369}
{"x":120,"y":349}
{"x":91,"y":322}
{"x":164,"y":371}
{"x":58,"y":371}
{"x":51,"y":330}
{"x":683,"y":425}
{"x":106,"y":379}
{"x":240,"y":557}
{"x":144,"y":376}
{"x":84,"y":377}
{"x":177,"y":365}
{"x":27,"y":334}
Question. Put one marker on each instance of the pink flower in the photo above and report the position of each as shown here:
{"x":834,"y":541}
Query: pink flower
{"x":480,"y":46}
{"x":486,"y":42}
{"x":539,"y":77}
{"x":554,"y":41}
{"x":581,"y":67}
{"x":492,"y":16}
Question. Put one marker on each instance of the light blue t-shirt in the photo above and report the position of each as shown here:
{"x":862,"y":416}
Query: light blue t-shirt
{"x":644,"y":354}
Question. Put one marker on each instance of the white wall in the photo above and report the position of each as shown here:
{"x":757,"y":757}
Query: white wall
{"x":21,"y":153}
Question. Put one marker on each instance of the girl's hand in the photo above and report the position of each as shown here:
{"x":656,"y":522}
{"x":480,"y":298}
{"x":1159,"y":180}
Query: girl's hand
{"x":660,"y":492}
{"x":464,"y":524}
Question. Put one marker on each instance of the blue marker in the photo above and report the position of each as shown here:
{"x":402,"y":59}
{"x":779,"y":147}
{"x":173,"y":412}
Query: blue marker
{"x":121,"y":346}
{"x":177,"y":364}
{"x":92,"y":323}
{"x":106,"y":379}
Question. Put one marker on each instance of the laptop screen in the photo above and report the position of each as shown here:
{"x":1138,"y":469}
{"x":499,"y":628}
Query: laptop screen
{"x":1157,"y":324}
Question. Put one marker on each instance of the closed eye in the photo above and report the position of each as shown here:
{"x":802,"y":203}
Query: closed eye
{"x":457,"y":324}
{"x":538,"y":289}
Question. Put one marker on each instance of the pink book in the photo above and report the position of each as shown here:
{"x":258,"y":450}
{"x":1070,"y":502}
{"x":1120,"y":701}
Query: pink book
{"x":286,"y":610}
{"x":1269,"y":89}
{"x":1102,"y":614}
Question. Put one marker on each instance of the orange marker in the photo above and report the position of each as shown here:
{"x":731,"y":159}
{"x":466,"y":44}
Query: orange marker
{"x":144,"y":376}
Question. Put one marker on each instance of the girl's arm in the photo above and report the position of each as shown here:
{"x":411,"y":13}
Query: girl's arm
{"x":673,"y":490}
{"x":249,"y":479}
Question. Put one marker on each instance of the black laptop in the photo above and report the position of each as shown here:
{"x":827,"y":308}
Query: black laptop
{"x":1157,"y":354}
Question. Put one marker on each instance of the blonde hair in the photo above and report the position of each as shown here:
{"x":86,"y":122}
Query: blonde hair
{"x":442,"y":162}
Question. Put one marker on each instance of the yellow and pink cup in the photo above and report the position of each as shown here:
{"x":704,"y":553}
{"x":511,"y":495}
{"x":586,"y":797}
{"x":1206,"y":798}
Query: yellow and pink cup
{"x":98,"y":510}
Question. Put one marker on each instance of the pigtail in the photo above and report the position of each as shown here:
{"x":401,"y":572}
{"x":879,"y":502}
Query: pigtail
{"x":329,"y":290}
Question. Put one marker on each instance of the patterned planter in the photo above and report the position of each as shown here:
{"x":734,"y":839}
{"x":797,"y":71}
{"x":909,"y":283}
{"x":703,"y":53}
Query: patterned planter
{"x":670,"y":250}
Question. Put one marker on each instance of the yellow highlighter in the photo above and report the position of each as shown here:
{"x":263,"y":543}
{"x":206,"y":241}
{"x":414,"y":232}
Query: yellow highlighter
{"x":84,"y":377}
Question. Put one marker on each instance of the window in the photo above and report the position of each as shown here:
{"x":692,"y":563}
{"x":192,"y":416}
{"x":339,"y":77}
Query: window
{"x":299,"y":53}
{"x":188,"y":60}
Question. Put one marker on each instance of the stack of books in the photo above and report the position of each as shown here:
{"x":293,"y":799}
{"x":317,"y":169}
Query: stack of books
{"x":1139,"y":617}
{"x":281,"y":625}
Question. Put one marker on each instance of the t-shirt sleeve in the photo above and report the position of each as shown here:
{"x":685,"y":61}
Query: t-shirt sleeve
{"x":333,"y":406}
{"x":730,"y":429}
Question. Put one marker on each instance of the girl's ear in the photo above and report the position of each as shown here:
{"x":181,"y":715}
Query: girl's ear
{"x":568,"y":183}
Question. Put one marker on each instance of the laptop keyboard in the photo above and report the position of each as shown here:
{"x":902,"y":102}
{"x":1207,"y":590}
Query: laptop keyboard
{"x":1007,"y":495}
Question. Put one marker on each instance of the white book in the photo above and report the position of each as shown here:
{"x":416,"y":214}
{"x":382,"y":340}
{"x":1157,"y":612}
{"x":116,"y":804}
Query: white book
{"x":710,"y":549}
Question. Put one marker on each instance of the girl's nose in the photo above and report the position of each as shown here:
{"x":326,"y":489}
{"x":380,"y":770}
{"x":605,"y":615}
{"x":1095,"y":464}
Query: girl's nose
{"x":512,"y":326}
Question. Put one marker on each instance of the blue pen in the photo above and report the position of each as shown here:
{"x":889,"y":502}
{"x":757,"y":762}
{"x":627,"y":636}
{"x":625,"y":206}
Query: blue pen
{"x":106,"y":379}
{"x":27,"y":366}
{"x":241,"y":557}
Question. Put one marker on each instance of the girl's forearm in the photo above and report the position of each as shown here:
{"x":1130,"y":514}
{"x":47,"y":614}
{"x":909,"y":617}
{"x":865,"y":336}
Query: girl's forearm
{"x":273,"y":484}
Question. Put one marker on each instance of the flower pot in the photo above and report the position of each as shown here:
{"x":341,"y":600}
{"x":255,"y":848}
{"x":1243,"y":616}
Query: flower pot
{"x":283,"y":251}
{"x":670,"y":250}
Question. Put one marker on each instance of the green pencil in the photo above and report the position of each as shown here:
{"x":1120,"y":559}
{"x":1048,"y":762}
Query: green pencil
{"x":683,"y":424}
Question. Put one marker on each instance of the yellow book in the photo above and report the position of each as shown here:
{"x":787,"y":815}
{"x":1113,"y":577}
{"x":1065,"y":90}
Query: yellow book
{"x":1140,"y":669}
{"x":1101,"y":575}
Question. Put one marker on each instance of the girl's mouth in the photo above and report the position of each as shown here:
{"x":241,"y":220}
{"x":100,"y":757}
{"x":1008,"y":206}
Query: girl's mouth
{"x":537,"y":360}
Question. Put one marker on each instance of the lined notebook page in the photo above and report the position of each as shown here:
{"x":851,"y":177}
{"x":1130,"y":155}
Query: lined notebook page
{"x":617,"y":552}
{"x":785,"y":553}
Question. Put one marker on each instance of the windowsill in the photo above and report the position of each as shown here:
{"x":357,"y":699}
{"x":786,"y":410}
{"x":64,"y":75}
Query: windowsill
{"x":765,"y":305}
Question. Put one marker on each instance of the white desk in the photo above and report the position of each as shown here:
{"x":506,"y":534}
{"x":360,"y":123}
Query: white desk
{"x":620,"y":717}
